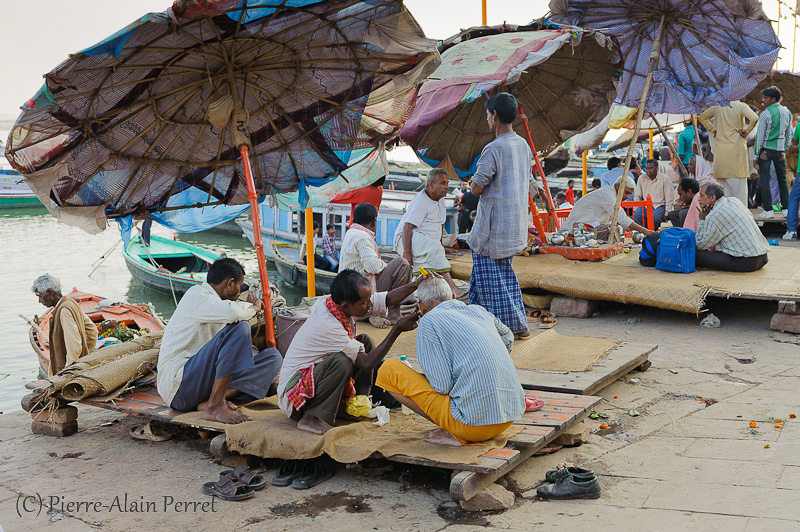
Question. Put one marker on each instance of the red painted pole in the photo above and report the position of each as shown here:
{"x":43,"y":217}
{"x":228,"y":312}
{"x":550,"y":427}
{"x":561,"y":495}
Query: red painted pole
{"x":548,"y":197}
{"x":262,"y":262}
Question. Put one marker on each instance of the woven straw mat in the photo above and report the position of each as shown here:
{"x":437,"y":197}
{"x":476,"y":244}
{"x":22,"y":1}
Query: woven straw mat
{"x":271,"y":434}
{"x":103,"y":379}
{"x":550,"y":351}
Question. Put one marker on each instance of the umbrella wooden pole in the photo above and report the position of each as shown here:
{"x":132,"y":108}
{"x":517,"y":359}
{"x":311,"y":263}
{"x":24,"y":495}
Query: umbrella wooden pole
{"x":655,"y":55}
{"x":650,"y":139}
{"x":262,"y":261}
{"x":310,"y":252}
{"x":670,"y":145}
{"x":539,"y":168}
{"x":697,"y":136}
{"x":584,"y":171}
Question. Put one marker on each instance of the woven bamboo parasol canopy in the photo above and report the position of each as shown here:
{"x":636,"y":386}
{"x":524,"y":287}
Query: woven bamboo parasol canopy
{"x":787,"y":82}
{"x":564,"y":80}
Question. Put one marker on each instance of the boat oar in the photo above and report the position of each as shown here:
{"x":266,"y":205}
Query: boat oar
{"x":36,"y":327}
{"x":105,"y":255}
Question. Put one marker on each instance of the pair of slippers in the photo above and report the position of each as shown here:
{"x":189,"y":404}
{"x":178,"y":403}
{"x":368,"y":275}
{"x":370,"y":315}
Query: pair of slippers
{"x":547,"y":320}
{"x":235,"y":484}
{"x":303,"y":474}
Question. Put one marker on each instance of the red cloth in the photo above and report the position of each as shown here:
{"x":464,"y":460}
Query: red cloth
{"x":571,"y":196}
{"x":368,"y":194}
{"x":347,"y":322}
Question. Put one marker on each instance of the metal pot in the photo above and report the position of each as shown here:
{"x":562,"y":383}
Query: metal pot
{"x":637,"y":237}
{"x":580,"y":240}
{"x":557,"y":239}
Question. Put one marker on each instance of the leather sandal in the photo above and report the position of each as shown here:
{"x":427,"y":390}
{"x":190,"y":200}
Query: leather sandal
{"x":288,"y":472}
{"x":228,"y":489}
{"x":245,"y":476}
{"x":314,"y":472}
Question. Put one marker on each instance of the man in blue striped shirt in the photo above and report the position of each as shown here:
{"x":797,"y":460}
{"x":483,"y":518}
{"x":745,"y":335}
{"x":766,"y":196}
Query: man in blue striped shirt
{"x":470,"y":386}
{"x":773,"y":138}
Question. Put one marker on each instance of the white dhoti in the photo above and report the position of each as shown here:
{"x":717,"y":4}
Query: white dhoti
{"x":426,"y":252}
{"x":735,"y":187}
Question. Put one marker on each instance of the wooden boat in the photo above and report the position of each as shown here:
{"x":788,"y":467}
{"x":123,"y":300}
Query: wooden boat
{"x":139,"y":317}
{"x":168,"y":265}
{"x":286,"y":256}
{"x":14,"y":193}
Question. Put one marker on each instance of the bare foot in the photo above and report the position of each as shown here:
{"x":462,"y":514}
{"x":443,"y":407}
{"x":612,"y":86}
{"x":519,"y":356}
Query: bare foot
{"x":458,"y":293}
{"x":379,"y":322}
{"x":223,"y":413}
{"x":442,"y":437}
{"x":313,"y":424}
{"x":202,"y":406}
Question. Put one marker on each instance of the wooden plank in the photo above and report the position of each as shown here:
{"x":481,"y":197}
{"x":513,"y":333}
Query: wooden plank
{"x":531,"y":436}
{"x":744,"y":295}
{"x":619,"y":361}
{"x":488,"y":463}
{"x":466,"y":484}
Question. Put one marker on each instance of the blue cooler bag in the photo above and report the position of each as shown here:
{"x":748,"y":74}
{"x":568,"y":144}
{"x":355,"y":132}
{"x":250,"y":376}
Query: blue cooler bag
{"x":676,"y":250}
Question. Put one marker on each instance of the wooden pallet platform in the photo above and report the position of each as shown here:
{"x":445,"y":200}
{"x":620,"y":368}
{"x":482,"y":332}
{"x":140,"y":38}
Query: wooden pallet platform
{"x":618,"y":362}
{"x":539,"y":428}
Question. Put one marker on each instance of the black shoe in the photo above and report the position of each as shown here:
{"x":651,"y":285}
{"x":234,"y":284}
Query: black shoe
{"x":569,"y":487}
{"x":581,"y":474}
{"x":288,"y":472}
{"x":314,"y":472}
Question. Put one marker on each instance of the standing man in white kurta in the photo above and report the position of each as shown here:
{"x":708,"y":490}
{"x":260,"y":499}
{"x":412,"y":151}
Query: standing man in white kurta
{"x":418,"y":238}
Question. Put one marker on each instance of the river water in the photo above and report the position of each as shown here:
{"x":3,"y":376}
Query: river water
{"x":34,"y":243}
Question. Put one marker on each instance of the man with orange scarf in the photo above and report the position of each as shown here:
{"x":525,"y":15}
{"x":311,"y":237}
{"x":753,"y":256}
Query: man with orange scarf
{"x":326,"y":360}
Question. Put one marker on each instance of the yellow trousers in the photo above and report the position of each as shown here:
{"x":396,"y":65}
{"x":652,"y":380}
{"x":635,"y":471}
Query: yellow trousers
{"x":396,"y":377}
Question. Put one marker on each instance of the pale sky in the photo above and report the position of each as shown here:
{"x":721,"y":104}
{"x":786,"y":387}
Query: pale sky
{"x":36,"y":36}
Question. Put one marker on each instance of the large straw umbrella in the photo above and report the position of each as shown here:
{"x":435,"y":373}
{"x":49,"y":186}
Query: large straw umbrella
{"x":563,"y":80}
{"x":787,"y":82}
{"x":693,"y":52}
{"x":236,"y":99}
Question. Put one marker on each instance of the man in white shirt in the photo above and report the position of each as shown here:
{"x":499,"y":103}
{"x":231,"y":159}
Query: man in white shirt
{"x":326,"y":359}
{"x":597,"y":208}
{"x":360,"y":253}
{"x":418,"y":237}
{"x":659,"y":187}
{"x":206,"y":356}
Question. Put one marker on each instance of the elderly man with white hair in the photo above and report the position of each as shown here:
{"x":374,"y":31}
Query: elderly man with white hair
{"x":597,"y":208}
{"x":418,"y":237}
{"x":470,"y":386}
{"x":72,"y":333}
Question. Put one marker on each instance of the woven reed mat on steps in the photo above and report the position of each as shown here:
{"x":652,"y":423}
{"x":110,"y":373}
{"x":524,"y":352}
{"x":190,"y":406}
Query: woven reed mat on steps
{"x":271,"y":434}
{"x":110,"y":378}
{"x":550,"y":351}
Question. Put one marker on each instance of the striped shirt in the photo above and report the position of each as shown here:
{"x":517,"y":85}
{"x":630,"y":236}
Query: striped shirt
{"x":471,"y":364}
{"x":504,"y":172}
{"x":360,"y":254}
{"x":730,"y":228}
{"x":774,"y":129}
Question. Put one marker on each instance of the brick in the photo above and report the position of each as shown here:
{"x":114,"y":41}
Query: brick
{"x":57,"y":415}
{"x":59,"y":430}
{"x":785,"y":323}
{"x":788,"y":307}
{"x":572,"y":307}
{"x":36,"y":401}
{"x":494,"y":497}
{"x":575,"y":435}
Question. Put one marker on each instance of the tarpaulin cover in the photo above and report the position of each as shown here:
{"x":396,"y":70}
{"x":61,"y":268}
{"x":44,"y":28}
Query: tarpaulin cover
{"x":149,"y":117}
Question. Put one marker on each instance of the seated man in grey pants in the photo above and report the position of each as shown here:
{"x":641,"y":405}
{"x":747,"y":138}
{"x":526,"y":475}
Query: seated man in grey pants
{"x":206,"y":356}
{"x":727,"y":237}
{"x":326,"y":360}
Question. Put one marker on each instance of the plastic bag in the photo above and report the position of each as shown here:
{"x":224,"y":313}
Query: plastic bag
{"x":358,"y":406}
{"x":380,"y":412}
{"x":710,"y":322}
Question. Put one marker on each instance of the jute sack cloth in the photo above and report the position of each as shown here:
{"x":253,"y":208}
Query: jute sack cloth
{"x":271,"y":434}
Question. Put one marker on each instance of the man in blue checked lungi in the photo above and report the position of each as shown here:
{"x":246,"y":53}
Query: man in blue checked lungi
{"x":501,"y":179}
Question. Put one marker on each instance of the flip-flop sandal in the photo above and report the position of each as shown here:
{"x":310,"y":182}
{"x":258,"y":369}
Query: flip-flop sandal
{"x":533,"y":403}
{"x":313,"y":473}
{"x":245,"y":476}
{"x":547,"y":321}
{"x":288,"y":472}
{"x":145,"y":432}
{"x":228,"y":489}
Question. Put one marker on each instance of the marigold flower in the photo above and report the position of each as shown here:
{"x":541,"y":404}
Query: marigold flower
{"x":753,"y":424}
